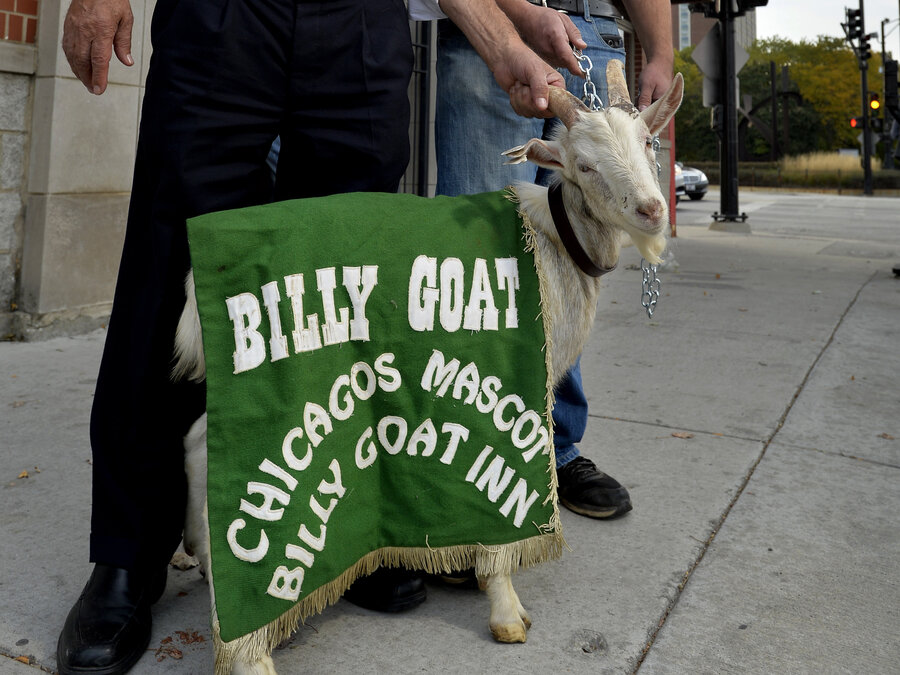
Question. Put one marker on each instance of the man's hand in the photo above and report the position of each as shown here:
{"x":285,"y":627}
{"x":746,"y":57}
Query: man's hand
{"x":652,"y":20}
{"x":521,"y":72}
{"x":527,"y":79}
{"x":92,"y":30}
{"x":654,"y":82}
{"x":549,"y":33}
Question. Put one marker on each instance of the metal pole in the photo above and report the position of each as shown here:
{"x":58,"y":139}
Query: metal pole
{"x":729,"y":164}
{"x":867,"y":131}
{"x":888,"y":162}
{"x":774,"y":149}
{"x":785,"y":113}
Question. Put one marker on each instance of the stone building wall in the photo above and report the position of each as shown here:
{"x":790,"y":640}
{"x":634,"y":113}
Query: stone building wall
{"x":18,"y":31}
{"x":66,"y":162}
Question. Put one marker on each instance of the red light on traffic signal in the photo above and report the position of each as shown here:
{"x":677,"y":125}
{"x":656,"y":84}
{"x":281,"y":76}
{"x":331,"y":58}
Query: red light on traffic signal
{"x":854,"y":123}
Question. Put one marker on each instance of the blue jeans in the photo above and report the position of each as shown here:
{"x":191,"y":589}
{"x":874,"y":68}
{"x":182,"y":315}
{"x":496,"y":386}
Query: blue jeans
{"x":474,"y":124}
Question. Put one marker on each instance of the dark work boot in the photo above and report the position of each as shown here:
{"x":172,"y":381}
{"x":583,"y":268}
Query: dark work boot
{"x":108,"y":629}
{"x":586,"y":490}
{"x":388,"y":590}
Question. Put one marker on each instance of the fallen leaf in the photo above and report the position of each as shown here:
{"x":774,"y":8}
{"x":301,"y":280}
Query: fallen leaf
{"x":718,"y":276}
{"x":886,"y":437}
{"x":17,"y":404}
{"x":23,"y":659}
{"x":682,"y":434}
{"x":168,"y":650}
{"x":24,"y":474}
{"x":189,"y":638}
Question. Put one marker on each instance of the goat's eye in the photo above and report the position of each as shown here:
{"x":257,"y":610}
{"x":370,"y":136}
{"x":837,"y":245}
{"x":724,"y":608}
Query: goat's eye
{"x":584,"y":168}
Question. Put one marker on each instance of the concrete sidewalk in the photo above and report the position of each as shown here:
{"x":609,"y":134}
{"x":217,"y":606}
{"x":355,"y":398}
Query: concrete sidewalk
{"x":755,"y":420}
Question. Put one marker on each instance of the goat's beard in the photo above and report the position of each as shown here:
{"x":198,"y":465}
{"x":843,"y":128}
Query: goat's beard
{"x":651,"y":246}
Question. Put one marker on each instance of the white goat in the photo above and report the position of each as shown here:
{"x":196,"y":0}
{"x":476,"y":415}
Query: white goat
{"x":606,"y":171}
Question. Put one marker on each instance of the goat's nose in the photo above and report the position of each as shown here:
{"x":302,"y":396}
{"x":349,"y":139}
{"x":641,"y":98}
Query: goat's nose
{"x":651,"y":209}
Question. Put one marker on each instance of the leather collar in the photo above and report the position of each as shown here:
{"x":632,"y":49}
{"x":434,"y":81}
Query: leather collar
{"x":567,"y":235}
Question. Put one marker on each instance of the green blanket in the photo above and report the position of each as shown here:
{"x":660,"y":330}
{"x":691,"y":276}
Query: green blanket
{"x":377,"y":394}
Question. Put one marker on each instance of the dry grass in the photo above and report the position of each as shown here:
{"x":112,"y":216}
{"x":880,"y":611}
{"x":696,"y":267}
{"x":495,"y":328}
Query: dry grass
{"x":822,"y":162}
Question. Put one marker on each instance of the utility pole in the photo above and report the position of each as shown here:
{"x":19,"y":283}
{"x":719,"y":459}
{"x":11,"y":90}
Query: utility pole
{"x":886,"y":129}
{"x":773,"y":151}
{"x":867,"y":127}
{"x":729,"y":145}
{"x":719,"y":58}
{"x":855,"y":29}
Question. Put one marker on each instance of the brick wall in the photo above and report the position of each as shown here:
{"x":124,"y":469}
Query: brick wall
{"x":18,"y":20}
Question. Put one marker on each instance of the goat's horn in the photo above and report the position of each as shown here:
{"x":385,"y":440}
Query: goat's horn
{"x":565,"y":106}
{"x":615,"y":82}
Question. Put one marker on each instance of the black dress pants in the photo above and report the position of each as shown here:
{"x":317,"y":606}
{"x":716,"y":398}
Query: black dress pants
{"x":226,"y":77}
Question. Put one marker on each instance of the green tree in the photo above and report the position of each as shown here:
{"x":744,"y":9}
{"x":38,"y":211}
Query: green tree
{"x":824,"y":73}
{"x":694,"y":139}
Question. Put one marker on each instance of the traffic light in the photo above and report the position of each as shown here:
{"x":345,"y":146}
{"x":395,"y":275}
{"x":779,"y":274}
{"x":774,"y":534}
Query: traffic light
{"x":874,"y":102}
{"x":854,"y":25}
{"x":744,"y":5}
{"x":877,"y":124}
{"x":856,"y":122}
{"x":891,"y":99}
{"x":865,"y":51}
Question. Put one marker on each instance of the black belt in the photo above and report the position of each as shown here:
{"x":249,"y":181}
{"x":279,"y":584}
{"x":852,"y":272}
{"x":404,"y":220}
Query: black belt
{"x":595,"y":7}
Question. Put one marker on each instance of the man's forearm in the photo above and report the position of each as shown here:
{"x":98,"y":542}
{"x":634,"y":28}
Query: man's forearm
{"x":488,"y":29}
{"x":521,"y":72}
{"x":652,"y":20}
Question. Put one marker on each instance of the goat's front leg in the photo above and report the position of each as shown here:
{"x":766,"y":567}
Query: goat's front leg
{"x":196,"y":537}
{"x":196,"y":527}
{"x":509,"y":620}
{"x":264,"y":666}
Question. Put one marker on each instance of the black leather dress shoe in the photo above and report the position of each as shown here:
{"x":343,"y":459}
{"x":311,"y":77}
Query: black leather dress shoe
{"x":388,"y":590}
{"x":108,"y":629}
{"x":586,"y":490}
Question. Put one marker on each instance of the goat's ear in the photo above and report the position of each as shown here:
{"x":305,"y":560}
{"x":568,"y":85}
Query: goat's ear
{"x":543,"y":153}
{"x":660,"y":112}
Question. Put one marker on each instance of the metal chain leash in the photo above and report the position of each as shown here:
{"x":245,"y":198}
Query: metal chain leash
{"x":589,"y":91}
{"x":650,"y":287}
{"x":651,"y":282}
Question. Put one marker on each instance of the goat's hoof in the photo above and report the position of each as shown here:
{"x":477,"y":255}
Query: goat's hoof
{"x":510,"y":633}
{"x":183,"y":561}
{"x":526,"y":619}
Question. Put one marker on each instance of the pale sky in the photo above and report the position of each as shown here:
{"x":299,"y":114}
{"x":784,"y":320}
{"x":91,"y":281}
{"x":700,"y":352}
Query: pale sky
{"x":799,"y":19}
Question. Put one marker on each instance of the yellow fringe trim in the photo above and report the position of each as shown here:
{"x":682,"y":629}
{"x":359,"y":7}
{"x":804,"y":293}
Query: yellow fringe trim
{"x":501,"y":559}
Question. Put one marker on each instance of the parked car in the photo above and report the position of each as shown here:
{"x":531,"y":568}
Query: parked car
{"x":679,"y":182}
{"x":690,"y":182}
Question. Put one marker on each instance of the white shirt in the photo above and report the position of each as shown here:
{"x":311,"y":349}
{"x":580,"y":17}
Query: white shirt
{"x":425,"y":10}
